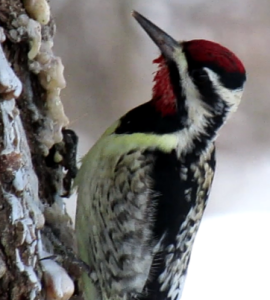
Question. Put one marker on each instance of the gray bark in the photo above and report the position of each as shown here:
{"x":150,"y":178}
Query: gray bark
{"x":33,"y":219}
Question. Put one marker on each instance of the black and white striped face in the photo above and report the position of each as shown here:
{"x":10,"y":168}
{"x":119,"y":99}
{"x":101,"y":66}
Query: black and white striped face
{"x":211,"y":77}
{"x":199,"y":80}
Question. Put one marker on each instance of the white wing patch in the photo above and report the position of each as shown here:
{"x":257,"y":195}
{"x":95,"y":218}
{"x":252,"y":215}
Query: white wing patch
{"x":178,"y":255}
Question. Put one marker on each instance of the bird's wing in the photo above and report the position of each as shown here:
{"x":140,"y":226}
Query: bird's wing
{"x":182,"y":189}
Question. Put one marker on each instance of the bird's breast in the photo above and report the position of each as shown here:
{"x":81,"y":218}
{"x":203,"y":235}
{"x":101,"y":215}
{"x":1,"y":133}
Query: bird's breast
{"x":119,"y":230}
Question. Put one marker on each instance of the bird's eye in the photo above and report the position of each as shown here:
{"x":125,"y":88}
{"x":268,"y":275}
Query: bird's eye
{"x":199,"y":76}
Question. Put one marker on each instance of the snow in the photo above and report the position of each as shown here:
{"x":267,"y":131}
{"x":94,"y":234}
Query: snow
{"x":230,"y":259}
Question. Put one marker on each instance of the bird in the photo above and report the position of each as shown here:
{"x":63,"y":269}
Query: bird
{"x":143,"y":187}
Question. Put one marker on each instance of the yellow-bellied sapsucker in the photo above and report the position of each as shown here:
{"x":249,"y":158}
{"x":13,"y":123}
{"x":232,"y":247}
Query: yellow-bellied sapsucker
{"x":143,"y":187}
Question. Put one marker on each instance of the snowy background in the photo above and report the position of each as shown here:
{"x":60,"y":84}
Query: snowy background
{"x":108,"y":71}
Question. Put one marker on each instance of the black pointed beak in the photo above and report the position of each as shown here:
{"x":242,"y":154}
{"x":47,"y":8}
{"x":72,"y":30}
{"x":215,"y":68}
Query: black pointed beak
{"x":165,"y":43}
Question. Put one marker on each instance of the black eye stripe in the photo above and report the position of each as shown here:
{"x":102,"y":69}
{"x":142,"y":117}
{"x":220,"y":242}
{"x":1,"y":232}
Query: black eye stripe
{"x":199,"y":76}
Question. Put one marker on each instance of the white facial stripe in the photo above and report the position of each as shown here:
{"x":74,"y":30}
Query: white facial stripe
{"x":197,"y":111}
{"x":188,"y":87}
{"x":180,"y":59}
{"x":231,"y":97}
{"x":198,"y":117}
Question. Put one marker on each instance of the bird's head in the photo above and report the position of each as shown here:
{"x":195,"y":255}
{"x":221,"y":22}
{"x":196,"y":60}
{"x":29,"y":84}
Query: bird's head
{"x":194,"y":78}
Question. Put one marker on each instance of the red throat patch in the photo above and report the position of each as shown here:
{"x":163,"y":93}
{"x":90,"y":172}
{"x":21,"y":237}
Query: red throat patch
{"x":163,"y":95}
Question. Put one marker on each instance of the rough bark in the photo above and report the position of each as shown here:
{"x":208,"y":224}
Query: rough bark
{"x":33,"y":221}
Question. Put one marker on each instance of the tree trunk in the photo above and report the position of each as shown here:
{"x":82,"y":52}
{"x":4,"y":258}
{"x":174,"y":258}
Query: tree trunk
{"x":33,"y":219}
